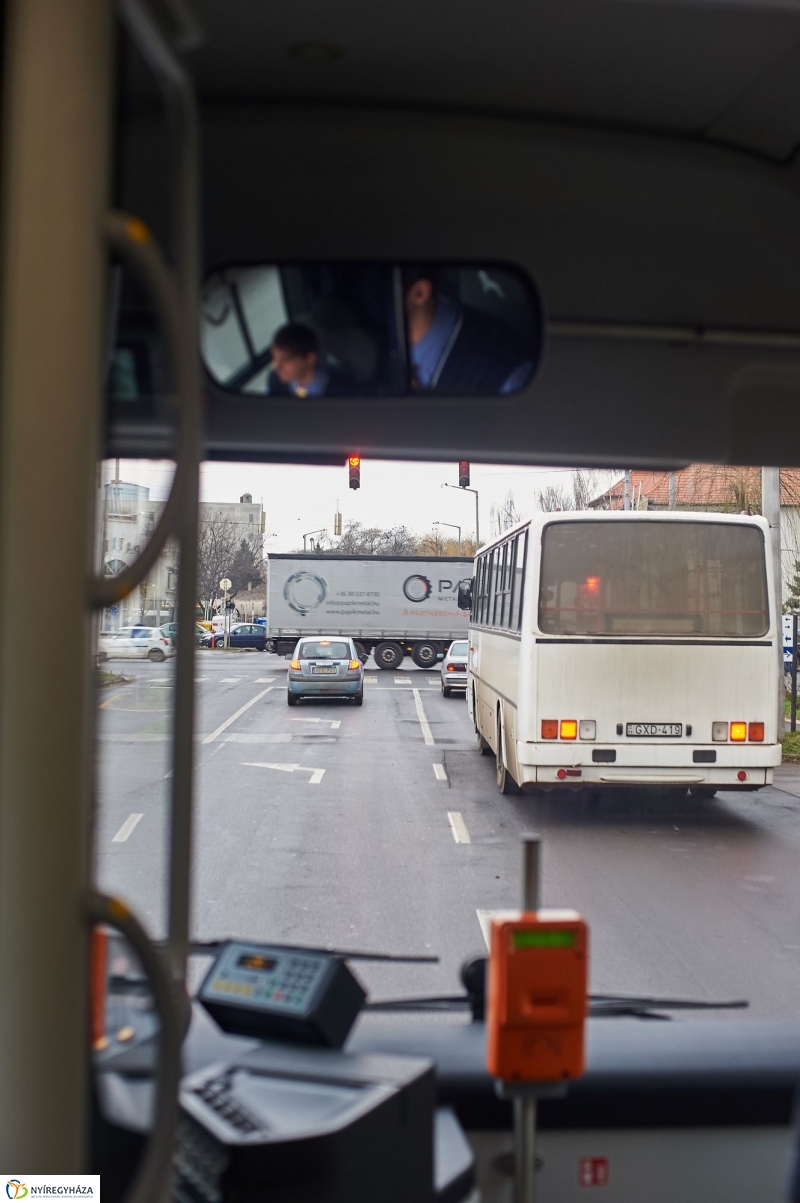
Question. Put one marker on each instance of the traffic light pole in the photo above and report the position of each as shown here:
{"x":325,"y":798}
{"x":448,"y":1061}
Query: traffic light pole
{"x":462,"y":489}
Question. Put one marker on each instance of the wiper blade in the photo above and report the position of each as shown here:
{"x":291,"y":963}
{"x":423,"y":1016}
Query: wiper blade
{"x":425,"y":1002}
{"x":645,"y":1007}
{"x":209,"y":948}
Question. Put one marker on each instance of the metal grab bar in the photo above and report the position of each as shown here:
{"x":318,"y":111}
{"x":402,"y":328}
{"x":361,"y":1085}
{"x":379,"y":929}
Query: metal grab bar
{"x":157,"y":1159}
{"x":132,"y":239}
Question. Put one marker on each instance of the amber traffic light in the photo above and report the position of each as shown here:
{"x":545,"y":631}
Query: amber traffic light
{"x":354,"y":468}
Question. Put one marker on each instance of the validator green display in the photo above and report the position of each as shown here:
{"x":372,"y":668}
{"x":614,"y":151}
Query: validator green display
{"x":544,"y":939}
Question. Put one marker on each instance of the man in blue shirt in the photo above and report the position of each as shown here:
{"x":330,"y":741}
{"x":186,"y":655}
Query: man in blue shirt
{"x":460,"y":349}
{"x":296,"y":367}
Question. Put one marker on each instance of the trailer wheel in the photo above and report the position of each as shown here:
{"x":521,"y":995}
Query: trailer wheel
{"x":388,"y":655}
{"x":425,"y":654}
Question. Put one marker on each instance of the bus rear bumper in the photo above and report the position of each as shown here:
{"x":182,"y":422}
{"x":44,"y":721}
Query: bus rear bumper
{"x":609,"y":775}
{"x":671,"y":766}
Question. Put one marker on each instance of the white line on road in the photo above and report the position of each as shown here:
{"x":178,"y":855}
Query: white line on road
{"x":402,"y":680}
{"x":126,"y":829}
{"x":458,"y":827}
{"x":316,"y":774}
{"x":265,"y":680}
{"x":209,"y":739}
{"x":433,"y":681}
{"x":199,"y":680}
{"x":423,"y":722}
{"x":334,"y":723}
{"x":439,"y":770}
{"x":485,"y":920}
{"x":230,"y":680}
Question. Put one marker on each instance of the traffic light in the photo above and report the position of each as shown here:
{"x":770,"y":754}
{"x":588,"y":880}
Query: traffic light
{"x":354,"y":467}
{"x":463,"y":474}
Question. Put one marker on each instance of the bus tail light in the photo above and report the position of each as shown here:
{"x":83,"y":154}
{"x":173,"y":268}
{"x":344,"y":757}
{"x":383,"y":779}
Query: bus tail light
{"x":587,"y":728}
{"x":569,"y":728}
{"x":741,"y":775}
{"x":562,"y":774}
{"x":549,"y":728}
{"x":738,"y":732}
{"x":719,"y":732}
{"x":755,"y":732}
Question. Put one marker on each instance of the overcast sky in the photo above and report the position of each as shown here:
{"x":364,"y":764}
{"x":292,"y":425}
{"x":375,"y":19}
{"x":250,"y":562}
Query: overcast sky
{"x":298,"y":500}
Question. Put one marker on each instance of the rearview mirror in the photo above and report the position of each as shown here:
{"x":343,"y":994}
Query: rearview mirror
{"x":465,"y":595}
{"x":333,"y":329}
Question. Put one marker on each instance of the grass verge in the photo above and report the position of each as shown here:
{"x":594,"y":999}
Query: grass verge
{"x":791,"y":748}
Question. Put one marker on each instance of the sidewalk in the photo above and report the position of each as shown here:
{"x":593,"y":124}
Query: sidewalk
{"x":787,"y":778}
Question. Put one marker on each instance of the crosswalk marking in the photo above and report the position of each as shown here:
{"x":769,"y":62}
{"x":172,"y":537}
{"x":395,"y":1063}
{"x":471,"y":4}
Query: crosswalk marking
{"x":126,"y":829}
{"x":458,"y":827}
{"x":402,"y":680}
{"x":265,"y":680}
{"x":231,"y":680}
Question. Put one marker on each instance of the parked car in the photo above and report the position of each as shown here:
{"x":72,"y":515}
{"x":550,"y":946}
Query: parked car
{"x":454,"y":667}
{"x":323,"y":667}
{"x":170,"y":629}
{"x":140,"y":642}
{"x":243,"y":634}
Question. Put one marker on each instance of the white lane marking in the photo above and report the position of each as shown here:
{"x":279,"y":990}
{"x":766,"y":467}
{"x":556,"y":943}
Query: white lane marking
{"x":265,"y":680}
{"x":209,"y":739}
{"x":423,"y":722}
{"x":248,"y":737}
{"x":371,"y":680}
{"x":440,"y":772}
{"x":230,"y":680}
{"x":126,"y":829}
{"x":402,"y":680}
{"x":334,"y":723}
{"x":433,"y":680}
{"x":316,"y":774}
{"x":458,"y":827}
{"x":485,"y":920}
{"x":198,"y":680}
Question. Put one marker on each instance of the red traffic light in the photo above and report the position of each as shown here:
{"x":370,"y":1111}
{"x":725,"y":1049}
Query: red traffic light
{"x":354,"y":469}
{"x":463,"y":474}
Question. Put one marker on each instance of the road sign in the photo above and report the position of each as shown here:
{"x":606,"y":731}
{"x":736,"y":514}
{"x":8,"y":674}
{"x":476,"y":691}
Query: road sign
{"x":225,"y":584}
{"x":113,"y":611}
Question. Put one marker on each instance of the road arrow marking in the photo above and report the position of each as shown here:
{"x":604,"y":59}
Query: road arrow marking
{"x":316,"y":774}
{"x":334,"y":723}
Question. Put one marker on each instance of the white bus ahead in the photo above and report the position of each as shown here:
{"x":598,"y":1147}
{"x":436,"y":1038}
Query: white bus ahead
{"x":615,"y":649}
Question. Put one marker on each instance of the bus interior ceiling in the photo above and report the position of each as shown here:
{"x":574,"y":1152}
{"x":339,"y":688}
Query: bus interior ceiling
{"x":657,"y":221}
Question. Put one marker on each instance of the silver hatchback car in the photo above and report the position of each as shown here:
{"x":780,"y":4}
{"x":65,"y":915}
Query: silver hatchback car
{"x":325,"y":668}
{"x":454,"y":667}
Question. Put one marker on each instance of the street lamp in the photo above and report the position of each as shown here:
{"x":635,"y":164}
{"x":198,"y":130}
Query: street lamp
{"x":477,"y":523}
{"x":307,"y":535}
{"x":458,"y":528}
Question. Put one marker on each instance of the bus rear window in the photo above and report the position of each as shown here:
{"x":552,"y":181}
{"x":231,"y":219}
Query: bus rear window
{"x":653,"y":578}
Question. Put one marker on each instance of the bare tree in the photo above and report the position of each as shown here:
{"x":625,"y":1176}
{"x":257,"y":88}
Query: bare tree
{"x":553,"y":498}
{"x":371,"y":540}
{"x":505,"y":514}
{"x":217,"y":546}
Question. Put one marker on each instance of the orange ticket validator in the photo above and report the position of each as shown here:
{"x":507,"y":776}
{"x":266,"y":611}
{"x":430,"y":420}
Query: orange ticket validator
{"x":537,"y":1001}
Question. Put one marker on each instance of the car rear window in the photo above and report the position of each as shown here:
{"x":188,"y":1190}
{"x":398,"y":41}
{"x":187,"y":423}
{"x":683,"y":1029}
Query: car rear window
{"x":323,"y":649}
{"x":458,"y":649}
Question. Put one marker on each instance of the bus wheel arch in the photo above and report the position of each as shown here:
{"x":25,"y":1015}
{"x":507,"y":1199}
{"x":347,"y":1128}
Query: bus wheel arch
{"x":505,"y":782}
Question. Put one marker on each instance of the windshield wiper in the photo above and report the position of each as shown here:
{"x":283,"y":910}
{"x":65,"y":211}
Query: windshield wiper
{"x":600,"y":1005}
{"x":210,"y":948}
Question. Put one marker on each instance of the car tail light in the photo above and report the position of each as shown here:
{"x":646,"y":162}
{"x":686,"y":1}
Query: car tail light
{"x":355,"y":664}
{"x":549,"y":728}
{"x":295,"y":664}
{"x":755,"y":732}
{"x":569,"y":728}
{"x":587,"y":728}
{"x":167,"y":643}
{"x":451,"y":668}
{"x":738,"y":732}
{"x":719,"y":732}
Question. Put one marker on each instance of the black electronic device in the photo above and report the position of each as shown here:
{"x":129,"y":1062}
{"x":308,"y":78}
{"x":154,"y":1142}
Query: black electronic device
{"x":281,"y":993}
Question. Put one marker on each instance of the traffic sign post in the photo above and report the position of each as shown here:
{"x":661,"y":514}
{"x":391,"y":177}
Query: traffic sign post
{"x":225,"y":585}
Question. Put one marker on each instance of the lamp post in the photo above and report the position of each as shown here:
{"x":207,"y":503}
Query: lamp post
{"x":458,"y":528}
{"x":477,"y":522}
{"x":307,"y":535}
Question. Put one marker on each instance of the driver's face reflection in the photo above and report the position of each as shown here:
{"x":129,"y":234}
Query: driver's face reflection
{"x":291,"y":368}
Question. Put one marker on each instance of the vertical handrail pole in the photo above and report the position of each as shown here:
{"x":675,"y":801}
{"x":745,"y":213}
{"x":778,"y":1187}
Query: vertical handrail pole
{"x":57,"y":111}
{"x":525,"y":1105}
{"x":794,"y":672}
{"x":185,"y":146}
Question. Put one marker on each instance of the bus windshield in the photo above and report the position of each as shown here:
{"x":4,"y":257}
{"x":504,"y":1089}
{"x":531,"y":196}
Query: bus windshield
{"x":653,"y":578}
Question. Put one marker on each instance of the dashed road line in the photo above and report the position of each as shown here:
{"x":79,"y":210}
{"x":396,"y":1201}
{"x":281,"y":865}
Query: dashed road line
{"x":230,"y":680}
{"x":439,"y":770}
{"x":334,"y":724}
{"x":402,"y":680}
{"x":423,"y":722}
{"x":265,"y":680}
{"x":458,"y":827}
{"x":199,"y":680}
{"x":126,"y":829}
{"x":209,"y":739}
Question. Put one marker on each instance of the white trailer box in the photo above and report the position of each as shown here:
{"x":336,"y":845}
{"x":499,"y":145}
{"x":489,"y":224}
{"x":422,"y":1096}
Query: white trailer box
{"x":391,"y":605}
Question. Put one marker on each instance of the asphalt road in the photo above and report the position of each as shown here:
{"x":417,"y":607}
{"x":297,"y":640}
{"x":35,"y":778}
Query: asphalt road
{"x":381,"y":828}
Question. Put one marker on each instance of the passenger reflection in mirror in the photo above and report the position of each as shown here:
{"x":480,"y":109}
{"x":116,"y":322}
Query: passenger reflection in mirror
{"x":457,"y":348}
{"x":296,"y":367}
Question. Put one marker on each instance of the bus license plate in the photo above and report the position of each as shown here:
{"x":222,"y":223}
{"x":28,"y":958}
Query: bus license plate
{"x":664,"y":730}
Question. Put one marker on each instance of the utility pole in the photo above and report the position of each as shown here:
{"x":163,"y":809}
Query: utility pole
{"x":673,"y":491}
{"x":771,"y":510}
{"x":627,"y":493}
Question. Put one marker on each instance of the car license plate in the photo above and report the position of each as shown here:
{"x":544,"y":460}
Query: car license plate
{"x":316,"y":670}
{"x":660,"y":730}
